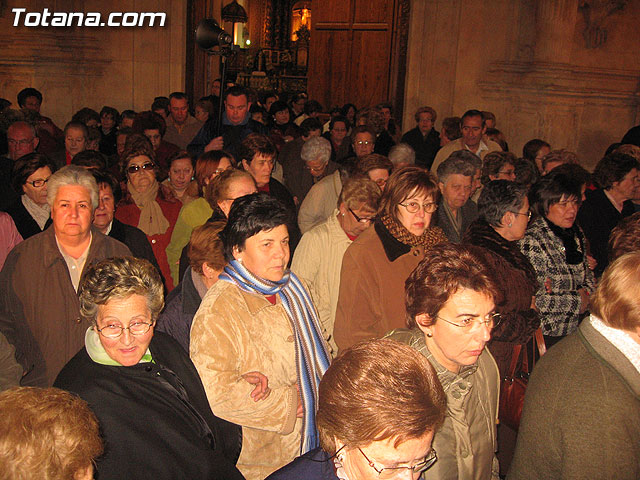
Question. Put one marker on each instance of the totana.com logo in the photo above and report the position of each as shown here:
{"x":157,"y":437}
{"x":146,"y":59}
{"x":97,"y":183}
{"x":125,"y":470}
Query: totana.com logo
{"x":86,"y":19}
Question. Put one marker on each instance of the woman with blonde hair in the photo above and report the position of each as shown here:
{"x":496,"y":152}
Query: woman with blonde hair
{"x":319,"y":254}
{"x":584,"y":394}
{"x":47,"y":433}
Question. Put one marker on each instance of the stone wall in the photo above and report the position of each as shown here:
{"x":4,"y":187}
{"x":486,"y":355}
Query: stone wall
{"x":566,"y":71}
{"x":124,"y":67}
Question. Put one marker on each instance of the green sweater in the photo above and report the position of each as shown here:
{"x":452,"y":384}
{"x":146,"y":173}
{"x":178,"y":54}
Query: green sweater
{"x":581,"y":417}
{"x":191,"y":216}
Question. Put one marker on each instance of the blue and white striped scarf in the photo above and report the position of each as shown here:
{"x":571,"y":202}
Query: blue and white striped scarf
{"x":312,"y":356}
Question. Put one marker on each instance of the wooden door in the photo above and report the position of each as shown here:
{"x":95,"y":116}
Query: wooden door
{"x":351,"y":52}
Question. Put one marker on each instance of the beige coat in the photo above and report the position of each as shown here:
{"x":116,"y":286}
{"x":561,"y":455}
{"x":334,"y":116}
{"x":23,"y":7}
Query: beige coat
{"x":317,"y":261}
{"x":466,"y":443}
{"x":233,"y":333}
{"x":319,"y":202}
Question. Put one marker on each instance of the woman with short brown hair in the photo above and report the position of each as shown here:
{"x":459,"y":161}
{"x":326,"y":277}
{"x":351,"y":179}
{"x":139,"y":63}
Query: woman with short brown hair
{"x":450,"y":303}
{"x":379,"y":406}
{"x":377,"y":263}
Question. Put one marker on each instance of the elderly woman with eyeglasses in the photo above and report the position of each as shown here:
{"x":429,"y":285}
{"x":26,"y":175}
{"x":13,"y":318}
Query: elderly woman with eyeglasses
{"x":450,"y":303}
{"x":318,"y":258}
{"x":504,"y":215}
{"x":29,"y":176}
{"x":377,"y":263}
{"x":146,"y":393}
{"x":148,"y":205}
{"x":556,"y":247}
{"x":380,"y":405}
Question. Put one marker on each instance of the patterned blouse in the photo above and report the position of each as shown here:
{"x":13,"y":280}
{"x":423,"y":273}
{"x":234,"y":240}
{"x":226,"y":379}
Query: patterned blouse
{"x":557,"y":298}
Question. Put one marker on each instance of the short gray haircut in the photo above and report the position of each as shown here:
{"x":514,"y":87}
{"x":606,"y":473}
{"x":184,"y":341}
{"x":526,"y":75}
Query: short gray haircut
{"x":461,"y":162}
{"x":72,"y":175}
{"x":316,"y":149}
{"x":23,"y":124}
{"x":402,"y":153}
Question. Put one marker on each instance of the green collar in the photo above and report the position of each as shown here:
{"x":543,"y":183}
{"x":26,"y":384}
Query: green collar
{"x":99,"y":355}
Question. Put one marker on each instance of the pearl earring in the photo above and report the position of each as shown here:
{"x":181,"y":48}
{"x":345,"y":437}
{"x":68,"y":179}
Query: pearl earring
{"x":429,"y":335}
{"x":510,"y":225}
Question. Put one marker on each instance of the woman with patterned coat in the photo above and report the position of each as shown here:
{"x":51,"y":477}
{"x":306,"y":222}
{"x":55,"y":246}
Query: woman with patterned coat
{"x":555,"y":246}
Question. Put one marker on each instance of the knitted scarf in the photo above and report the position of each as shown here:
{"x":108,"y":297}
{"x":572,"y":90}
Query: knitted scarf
{"x":312,"y":356}
{"x":152,"y":220}
{"x":430,"y":237}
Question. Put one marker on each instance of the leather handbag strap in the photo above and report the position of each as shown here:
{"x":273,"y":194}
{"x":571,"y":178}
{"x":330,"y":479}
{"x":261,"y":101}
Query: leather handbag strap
{"x":542,"y":347}
{"x":515,"y":355}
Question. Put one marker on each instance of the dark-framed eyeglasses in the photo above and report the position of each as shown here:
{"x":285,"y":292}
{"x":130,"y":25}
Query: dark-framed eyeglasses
{"x":471,"y":323}
{"x":361,"y":219}
{"x":393,"y":472}
{"x":131,"y":169}
{"x":114,"y":331}
{"x":413,"y":207}
{"x":38,"y":183}
{"x":363,"y":142}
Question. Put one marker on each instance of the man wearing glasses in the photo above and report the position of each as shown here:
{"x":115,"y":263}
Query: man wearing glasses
{"x":21,"y":140}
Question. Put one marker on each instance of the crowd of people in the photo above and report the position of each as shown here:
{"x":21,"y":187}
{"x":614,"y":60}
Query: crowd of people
{"x":286,"y":293}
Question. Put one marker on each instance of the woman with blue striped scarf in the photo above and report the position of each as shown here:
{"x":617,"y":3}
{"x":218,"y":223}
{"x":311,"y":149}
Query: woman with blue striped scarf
{"x":260,"y":318}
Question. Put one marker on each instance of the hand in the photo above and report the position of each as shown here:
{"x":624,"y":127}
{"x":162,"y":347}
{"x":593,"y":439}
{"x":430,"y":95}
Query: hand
{"x":300,"y":411}
{"x":584,"y":300}
{"x":592,"y":262}
{"x":261,"y":382}
{"x":215,"y":144}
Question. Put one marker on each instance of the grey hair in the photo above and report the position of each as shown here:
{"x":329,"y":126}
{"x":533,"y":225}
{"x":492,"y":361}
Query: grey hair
{"x":461,"y":162}
{"x":72,"y":175}
{"x":402,"y":153}
{"x":316,"y":149}
{"x":22,"y":123}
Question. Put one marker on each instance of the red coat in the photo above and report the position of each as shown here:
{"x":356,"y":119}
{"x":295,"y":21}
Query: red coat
{"x":129,"y":213}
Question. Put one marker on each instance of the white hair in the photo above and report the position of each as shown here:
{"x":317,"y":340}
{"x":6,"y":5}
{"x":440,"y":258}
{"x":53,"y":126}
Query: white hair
{"x":316,"y":149}
{"x":402,"y":153}
{"x":72,"y":175}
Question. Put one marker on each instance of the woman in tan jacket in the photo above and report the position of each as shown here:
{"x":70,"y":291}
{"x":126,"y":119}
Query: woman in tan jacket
{"x":259,"y":318}
{"x":377,"y":263}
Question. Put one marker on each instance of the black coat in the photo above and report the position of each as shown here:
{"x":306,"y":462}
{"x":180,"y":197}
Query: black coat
{"x":155,"y":417}
{"x":425,"y":147}
{"x":597,"y":217}
{"x":181,"y":306}
{"x":135,"y":239}
{"x":25,"y":223}
{"x":8,"y":195}
{"x":313,"y":465}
